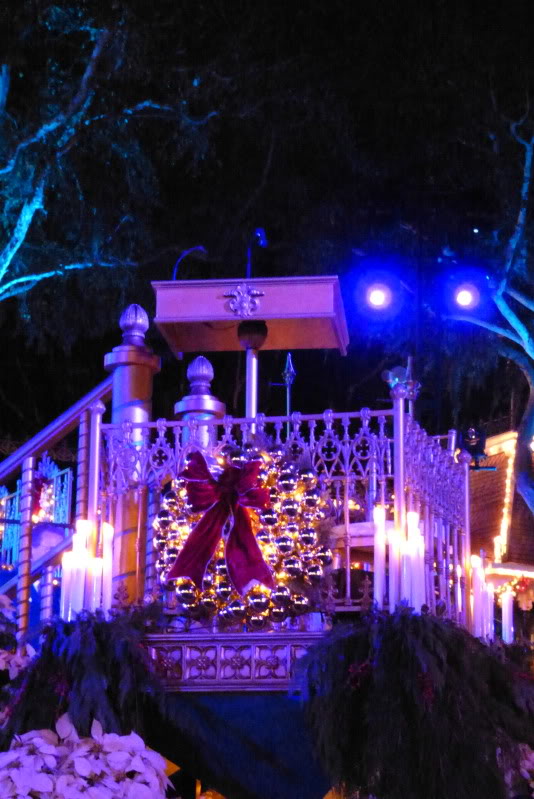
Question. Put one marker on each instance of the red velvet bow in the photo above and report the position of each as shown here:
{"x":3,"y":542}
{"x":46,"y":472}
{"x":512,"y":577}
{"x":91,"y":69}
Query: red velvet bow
{"x":225,"y":501}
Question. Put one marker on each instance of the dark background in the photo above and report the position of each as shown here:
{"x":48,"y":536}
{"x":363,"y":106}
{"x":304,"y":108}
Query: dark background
{"x":361,"y":136}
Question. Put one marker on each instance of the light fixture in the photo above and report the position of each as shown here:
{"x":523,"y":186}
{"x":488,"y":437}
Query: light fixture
{"x":467,"y":296}
{"x":378,"y":296}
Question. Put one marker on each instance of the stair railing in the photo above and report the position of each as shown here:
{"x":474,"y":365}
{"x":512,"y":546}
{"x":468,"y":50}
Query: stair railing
{"x":83,"y":415}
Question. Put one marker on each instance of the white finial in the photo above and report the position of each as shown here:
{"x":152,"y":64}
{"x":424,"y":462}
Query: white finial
{"x":200,"y":374}
{"x":134,"y":324}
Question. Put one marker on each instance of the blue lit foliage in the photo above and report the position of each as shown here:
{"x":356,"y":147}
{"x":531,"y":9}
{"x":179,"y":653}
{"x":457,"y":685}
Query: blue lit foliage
{"x":86,"y":124}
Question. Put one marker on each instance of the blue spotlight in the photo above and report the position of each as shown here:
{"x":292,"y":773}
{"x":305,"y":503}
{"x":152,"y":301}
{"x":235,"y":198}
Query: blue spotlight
{"x":467,"y":296}
{"x":378,"y":296}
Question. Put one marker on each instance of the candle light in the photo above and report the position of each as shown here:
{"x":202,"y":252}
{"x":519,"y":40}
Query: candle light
{"x":507,"y":602}
{"x":107,"y":566}
{"x":95,"y":571}
{"x":419,"y":593}
{"x":417,"y":565}
{"x":79,"y":566}
{"x":490,"y":616}
{"x":379,"y":518}
{"x":459,"y":588}
{"x":394,"y":562}
{"x":66,"y":582}
{"x":406,"y":571}
{"x":478,"y":599}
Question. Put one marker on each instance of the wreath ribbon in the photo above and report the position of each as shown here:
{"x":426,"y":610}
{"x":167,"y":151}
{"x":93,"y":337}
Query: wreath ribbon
{"x":225,"y":502}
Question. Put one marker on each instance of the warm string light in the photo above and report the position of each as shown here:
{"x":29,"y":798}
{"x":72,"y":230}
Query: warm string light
{"x":517,"y":585}
{"x":45,"y":512}
{"x":501,"y":541}
{"x":287,"y":533}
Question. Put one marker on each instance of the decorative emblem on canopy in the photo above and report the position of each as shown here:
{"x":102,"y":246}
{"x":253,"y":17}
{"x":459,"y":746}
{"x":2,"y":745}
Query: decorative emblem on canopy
{"x":244,"y":300}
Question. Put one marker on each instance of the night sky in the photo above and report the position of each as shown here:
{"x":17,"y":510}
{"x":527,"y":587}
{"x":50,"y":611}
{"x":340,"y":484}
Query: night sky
{"x":364,"y":137}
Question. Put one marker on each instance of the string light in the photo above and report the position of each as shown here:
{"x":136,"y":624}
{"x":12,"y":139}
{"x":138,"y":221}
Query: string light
{"x":502,"y":545}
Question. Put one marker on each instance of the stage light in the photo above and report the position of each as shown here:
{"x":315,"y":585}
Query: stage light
{"x":378,"y":296}
{"x":467,"y":296}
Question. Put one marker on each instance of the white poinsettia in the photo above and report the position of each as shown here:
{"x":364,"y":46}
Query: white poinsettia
{"x":15,"y":662}
{"x":61,"y":765}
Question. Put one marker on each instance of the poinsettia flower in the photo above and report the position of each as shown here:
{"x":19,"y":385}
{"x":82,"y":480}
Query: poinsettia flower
{"x":8,"y":757}
{"x":63,"y":766}
{"x":7,"y":607}
{"x":138,"y":791}
{"x":66,"y":730}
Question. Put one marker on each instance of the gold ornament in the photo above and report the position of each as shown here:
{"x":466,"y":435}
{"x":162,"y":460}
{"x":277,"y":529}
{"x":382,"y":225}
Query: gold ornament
{"x":286,"y":533}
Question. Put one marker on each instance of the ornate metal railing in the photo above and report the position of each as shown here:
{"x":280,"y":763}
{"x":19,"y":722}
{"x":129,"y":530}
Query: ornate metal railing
{"x":60,"y":481}
{"x":341,"y":447}
{"x":85,"y":416}
{"x":353,"y":455}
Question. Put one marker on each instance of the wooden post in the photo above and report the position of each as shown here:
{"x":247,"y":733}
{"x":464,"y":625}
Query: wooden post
{"x":82,"y":474}
{"x":47,"y":589}
{"x":133,"y":366}
{"x":25,"y":547}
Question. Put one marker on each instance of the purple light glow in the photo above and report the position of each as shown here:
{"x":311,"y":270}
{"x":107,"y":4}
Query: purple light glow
{"x":378,"y":296}
{"x":467,"y":296}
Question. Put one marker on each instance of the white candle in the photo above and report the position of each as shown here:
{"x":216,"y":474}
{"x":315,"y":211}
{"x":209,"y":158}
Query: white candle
{"x":379,"y":589}
{"x":507,"y":602}
{"x":394,"y":562}
{"x":79,"y":561}
{"x":418,"y":575}
{"x":459,"y":588}
{"x":95,"y":572}
{"x":406,"y":571}
{"x":107,"y":566}
{"x":490,"y":616}
{"x":66,"y":582}
{"x":417,"y":556}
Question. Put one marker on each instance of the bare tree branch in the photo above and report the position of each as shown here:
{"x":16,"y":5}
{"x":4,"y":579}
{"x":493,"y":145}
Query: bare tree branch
{"x":253,"y":195}
{"x":521,"y":298}
{"x":520,"y":358}
{"x":515,"y":322}
{"x":85,"y":84}
{"x":22,"y":225}
{"x":4,"y":87}
{"x":519,"y":229}
{"x":22,"y":284}
{"x":75,"y":105}
{"x":500,"y":331}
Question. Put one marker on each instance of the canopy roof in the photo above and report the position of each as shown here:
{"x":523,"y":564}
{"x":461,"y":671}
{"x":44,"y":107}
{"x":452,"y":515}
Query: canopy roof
{"x":203,"y":315}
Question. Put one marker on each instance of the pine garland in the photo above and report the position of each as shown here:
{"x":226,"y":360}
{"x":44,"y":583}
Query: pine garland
{"x":90,"y":668}
{"x":414,"y":706}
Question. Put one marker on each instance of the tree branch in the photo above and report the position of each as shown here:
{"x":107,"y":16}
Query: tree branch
{"x":19,"y":285}
{"x":75,"y":105}
{"x":519,"y":229}
{"x":521,"y":298}
{"x":21,"y":228}
{"x":4,"y":87}
{"x":85,"y":84}
{"x":500,"y":331}
{"x":520,"y":358}
{"x":252,"y":196}
{"x":515,"y":322}
{"x":153,"y":109}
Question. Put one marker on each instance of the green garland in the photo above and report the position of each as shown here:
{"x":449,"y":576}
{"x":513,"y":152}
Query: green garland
{"x":414,"y":706}
{"x":91,"y":669}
